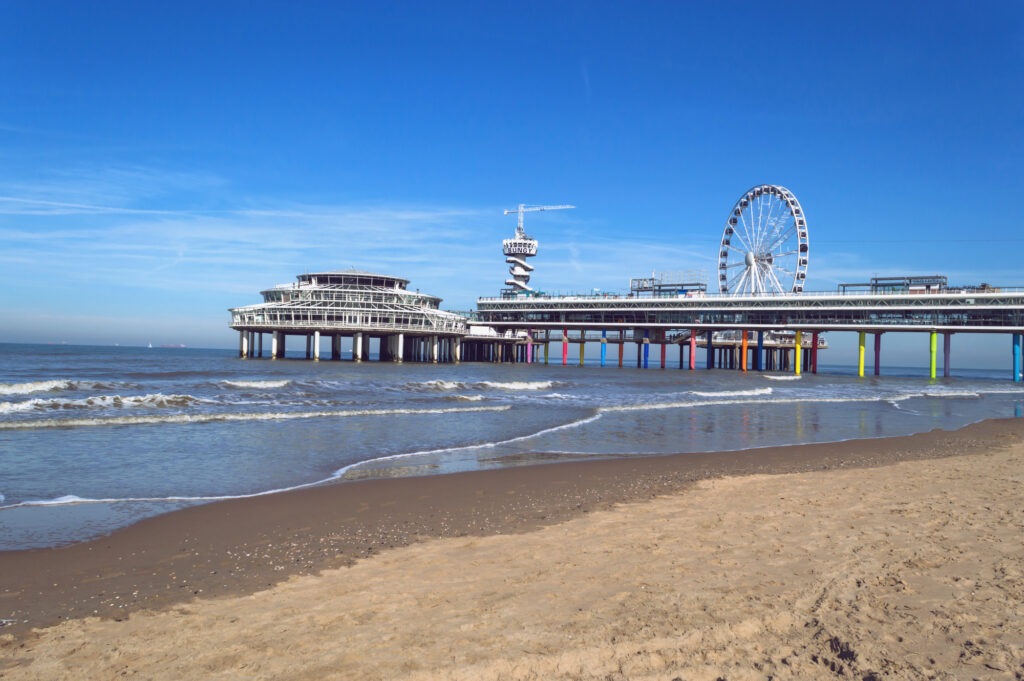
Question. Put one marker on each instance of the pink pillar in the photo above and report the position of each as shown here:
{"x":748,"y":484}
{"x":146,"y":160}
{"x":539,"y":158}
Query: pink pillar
{"x":878,"y":353}
{"x":565,"y":347}
{"x":693,"y":348}
{"x":814,"y":352}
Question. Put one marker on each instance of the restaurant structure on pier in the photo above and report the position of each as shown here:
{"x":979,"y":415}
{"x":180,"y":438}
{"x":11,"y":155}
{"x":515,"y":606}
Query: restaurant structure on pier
{"x":362,"y":306}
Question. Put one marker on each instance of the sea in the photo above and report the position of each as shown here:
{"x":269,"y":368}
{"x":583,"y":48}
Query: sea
{"x":96,"y":438}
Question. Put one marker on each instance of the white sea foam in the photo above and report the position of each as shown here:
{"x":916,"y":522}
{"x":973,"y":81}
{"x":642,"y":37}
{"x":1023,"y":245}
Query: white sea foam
{"x":783,"y":377}
{"x":210,"y":418}
{"x":468,"y":398}
{"x":774,"y":401}
{"x":482,"y":385}
{"x":257,"y":384}
{"x":34,"y":387}
{"x":101,"y":402}
{"x":734,"y":393}
{"x":485,"y":445}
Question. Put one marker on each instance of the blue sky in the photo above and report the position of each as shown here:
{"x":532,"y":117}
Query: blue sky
{"x":161,"y":163}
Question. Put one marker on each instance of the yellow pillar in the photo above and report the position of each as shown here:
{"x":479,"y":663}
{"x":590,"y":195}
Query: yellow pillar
{"x":934,"y":349}
{"x":582,"y":334}
{"x":860,"y":355}
{"x":797,"y":354}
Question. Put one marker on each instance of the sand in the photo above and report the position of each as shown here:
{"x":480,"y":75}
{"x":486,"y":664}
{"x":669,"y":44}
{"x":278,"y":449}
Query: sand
{"x":907,"y":570}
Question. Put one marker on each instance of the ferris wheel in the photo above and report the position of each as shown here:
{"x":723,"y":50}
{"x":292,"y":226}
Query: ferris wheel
{"x":764,"y":245}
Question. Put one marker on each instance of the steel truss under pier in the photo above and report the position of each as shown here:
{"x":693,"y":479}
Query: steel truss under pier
{"x":666,"y":320}
{"x":351,"y":304}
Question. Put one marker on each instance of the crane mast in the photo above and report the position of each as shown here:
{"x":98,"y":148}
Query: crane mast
{"x":519,"y":248}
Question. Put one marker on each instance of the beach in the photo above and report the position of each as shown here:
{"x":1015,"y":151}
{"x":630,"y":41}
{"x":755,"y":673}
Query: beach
{"x":889,"y":558}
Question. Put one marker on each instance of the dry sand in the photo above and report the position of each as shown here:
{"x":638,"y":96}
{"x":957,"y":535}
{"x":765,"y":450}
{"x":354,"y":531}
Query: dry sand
{"x":910,"y":570}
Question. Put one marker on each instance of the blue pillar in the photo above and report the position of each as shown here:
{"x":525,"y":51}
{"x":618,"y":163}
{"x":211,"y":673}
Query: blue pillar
{"x":604,"y":345}
{"x":760,"y":347}
{"x":711,"y":351}
{"x":647,"y":346}
{"x":1016,"y":358}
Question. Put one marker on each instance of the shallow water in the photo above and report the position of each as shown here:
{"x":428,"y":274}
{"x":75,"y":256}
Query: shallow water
{"x":95,"y":438}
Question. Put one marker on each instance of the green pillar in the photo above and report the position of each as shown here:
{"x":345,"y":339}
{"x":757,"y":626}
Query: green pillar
{"x":860,"y":355}
{"x":934,"y":348}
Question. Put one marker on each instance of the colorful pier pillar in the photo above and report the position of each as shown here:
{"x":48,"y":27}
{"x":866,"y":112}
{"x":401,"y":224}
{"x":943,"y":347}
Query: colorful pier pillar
{"x":647,"y":346}
{"x":711,"y":351}
{"x":933,"y":347}
{"x":1016,"y":357}
{"x":622,"y":347}
{"x":663,"y":355}
{"x":604,"y":345}
{"x":797,"y":352}
{"x":946,"y":338}
{"x":743,"y":356}
{"x":693,"y":348}
{"x":878,"y":354}
{"x":583,"y":335}
{"x":760,"y":350}
{"x":860,"y":354}
{"x":814,"y":352}
{"x":565,"y":347}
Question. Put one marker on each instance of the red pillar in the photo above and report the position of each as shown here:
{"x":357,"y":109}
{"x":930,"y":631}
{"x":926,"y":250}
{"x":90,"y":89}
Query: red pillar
{"x":565,"y":347}
{"x":814,"y":352}
{"x":622,"y":347}
{"x":663,"y":355}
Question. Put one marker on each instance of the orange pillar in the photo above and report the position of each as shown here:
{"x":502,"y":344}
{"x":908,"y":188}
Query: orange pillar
{"x":743,"y":355}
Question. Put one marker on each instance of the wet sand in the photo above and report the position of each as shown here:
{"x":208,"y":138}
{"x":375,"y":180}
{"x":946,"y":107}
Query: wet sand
{"x":692,"y":565}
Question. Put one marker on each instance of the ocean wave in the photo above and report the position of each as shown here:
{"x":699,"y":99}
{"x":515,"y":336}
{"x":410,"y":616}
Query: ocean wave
{"x":35,"y":387}
{"x":340,"y":473}
{"x":101,"y":402}
{"x":774,"y":401}
{"x":211,"y":418}
{"x":482,"y":385}
{"x":734,"y":393}
{"x":783,"y":377}
{"x":256,"y":384}
{"x":468,"y":398}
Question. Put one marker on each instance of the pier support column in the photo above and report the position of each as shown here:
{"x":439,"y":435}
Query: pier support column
{"x":275,"y":344}
{"x":682,"y":355}
{"x":797,"y":352}
{"x":434,"y":349}
{"x":316,"y":345}
{"x":357,"y":347}
{"x":814,"y":352}
{"x":760,"y":351}
{"x":860,"y":354}
{"x":647,"y":347}
{"x":252,"y":344}
{"x":743,"y":356}
{"x":583,"y":335}
{"x":309,"y":346}
{"x":547,"y":345}
{"x":565,"y":347}
{"x":458,"y":350}
{"x":622,"y":346}
{"x":243,"y":344}
{"x":604,"y":345}
{"x":878,"y":354}
{"x":529,"y":347}
{"x":400,"y":348}
{"x":693,"y":349}
{"x":933,"y":348}
{"x":946,"y":338}
{"x":710,"y":347}
{"x":1016,"y":357}
{"x":663,"y":354}
{"x":259,"y":343}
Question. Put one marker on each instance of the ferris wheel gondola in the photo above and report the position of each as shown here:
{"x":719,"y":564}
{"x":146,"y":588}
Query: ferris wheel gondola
{"x":764,"y":246}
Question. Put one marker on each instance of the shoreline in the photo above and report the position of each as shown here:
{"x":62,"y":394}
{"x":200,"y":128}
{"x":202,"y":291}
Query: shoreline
{"x":241,"y":546}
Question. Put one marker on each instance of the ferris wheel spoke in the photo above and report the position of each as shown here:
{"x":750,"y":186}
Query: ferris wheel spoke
{"x":778,"y":284}
{"x":738,"y":278}
{"x":746,"y":231}
{"x":783,"y":255}
{"x":735,"y":264}
{"x":783,"y":238}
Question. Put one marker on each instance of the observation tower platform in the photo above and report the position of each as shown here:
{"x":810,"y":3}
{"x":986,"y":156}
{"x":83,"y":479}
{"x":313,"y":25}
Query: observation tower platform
{"x":356,"y":305}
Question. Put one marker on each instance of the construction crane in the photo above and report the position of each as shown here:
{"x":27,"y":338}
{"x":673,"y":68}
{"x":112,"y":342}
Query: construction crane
{"x":523,"y":208}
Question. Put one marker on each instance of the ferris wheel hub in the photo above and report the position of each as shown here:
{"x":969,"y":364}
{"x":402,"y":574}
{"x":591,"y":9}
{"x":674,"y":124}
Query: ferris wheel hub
{"x":749,"y":259}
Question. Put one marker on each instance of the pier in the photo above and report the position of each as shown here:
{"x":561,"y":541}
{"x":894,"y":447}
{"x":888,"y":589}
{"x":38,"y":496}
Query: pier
{"x":354,"y":305}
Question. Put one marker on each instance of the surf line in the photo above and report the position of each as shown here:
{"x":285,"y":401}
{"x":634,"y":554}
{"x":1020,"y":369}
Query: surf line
{"x":71,"y":499}
{"x":209,"y":418}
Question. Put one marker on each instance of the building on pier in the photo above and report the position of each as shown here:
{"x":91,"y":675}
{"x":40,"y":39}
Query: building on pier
{"x":351,"y":304}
